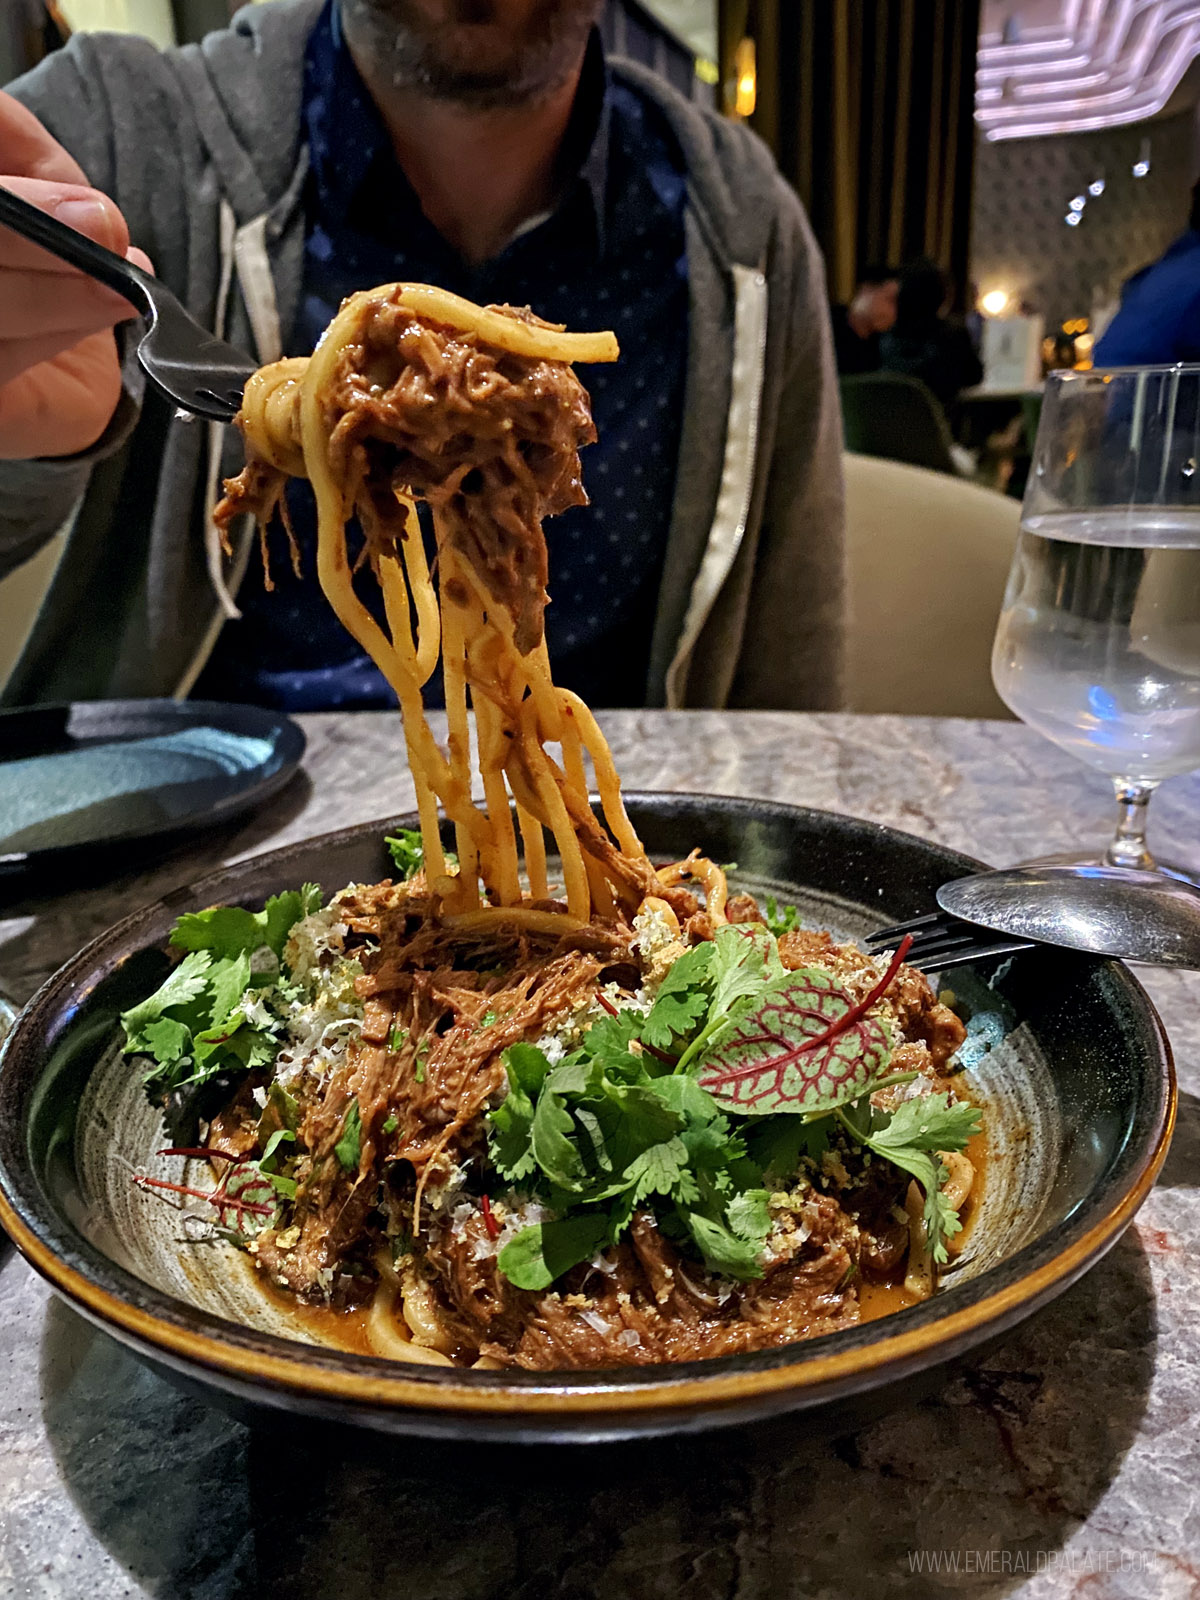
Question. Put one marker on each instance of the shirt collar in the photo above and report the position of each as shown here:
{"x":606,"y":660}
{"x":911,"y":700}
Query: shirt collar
{"x":349,"y":148}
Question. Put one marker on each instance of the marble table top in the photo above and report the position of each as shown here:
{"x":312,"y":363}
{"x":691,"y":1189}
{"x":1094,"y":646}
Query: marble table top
{"x":1064,"y":1462}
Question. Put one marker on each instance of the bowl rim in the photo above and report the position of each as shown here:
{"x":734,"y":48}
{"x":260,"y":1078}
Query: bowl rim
{"x":186,"y":1337}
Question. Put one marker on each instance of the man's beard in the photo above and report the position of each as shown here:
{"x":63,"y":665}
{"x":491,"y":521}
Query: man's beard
{"x":437,"y":48}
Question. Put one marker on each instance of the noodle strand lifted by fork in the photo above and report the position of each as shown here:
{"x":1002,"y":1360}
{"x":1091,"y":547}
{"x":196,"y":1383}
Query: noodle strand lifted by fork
{"x":414,"y":393}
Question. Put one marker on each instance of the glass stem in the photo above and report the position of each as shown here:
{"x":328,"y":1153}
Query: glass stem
{"x":1128,"y":847}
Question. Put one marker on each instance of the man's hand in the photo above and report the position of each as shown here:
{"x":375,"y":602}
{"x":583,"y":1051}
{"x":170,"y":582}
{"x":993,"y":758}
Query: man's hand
{"x":59,"y":375}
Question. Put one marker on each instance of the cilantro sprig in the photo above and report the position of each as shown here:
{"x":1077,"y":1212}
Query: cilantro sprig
{"x":912,"y":1137}
{"x":731,"y":1035}
{"x":606,"y":1131}
{"x":212,"y":1014}
{"x":407,"y":851}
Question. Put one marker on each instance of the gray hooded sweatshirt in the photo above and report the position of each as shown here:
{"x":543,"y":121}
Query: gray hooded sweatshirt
{"x":201,"y":148}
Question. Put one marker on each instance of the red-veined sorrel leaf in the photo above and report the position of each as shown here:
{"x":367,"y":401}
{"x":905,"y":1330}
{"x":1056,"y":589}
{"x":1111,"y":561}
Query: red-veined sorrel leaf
{"x":805,"y":1047}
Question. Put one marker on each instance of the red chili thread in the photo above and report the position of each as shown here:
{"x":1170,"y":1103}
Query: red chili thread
{"x":607,"y":1004}
{"x":221,"y":1201}
{"x":489,"y":1221}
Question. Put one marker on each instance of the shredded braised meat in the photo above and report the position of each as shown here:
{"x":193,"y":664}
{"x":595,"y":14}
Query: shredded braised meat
{"x":441,"y":1005}
{"x":489,"y":439}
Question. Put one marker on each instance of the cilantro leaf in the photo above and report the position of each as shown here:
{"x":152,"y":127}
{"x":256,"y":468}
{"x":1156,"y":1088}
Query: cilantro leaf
{"x":540,"y":1254}
{"x":280,"y":1136}
{"x":407,"y":850}
{"x":722,"y":1249}
{"x":225,"y":930}
{"x":597,"y":1155}
{"x":526,"y":1066}
{"x":657,"y":1170}
{"x":782,"y":919}
{"x":744,"y":961}
{"x":927,"y":1122}
{"x":556,"y":1154}
{"x":283,"y":911}
{"x":228,"y":981}
{"x":280,"y":1111}
{"x":511,"y":1122}
{"x":235,"y":1036}
{"x":348,"y":1149}
{"x":910,"y":1138}
{"x":687,"y":1099}
{"x":749,"y":1215}
{"x":606,"y":1127}
{"x":230,"y":931}
{"x":167,"y":1040}
{"x":635,"y":1118}
{"x":608,"y":1039}
{"x":683,"y":997}
{"x":184,"y":984}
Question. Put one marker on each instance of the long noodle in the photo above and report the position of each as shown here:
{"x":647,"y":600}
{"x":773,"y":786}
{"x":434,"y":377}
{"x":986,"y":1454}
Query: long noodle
{"x":293,"y":422}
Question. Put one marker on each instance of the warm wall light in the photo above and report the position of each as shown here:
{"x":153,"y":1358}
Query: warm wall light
{"x":745,"y":90}
{"x":995,"y":302}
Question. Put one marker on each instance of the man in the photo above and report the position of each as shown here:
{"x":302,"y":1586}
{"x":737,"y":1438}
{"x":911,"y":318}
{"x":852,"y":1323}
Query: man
{"x":927,"y":344}
{"x":312,"y":149}
{"x":1159,"y":319}
{"x":858,"y":326}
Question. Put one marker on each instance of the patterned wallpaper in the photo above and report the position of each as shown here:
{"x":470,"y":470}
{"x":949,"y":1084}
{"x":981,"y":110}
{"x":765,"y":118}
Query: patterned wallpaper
{"x":1019,"y":240}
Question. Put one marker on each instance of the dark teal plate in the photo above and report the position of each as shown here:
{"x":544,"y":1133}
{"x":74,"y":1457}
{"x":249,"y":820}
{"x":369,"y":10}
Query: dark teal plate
{"x":110,"y":773}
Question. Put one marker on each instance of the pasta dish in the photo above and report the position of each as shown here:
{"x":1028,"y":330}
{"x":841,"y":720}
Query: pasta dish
{"x":532,"y":1100}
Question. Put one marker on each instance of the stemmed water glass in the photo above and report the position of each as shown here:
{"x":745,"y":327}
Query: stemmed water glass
{"x":1098,"y":645}
{"x":8,"y":1015}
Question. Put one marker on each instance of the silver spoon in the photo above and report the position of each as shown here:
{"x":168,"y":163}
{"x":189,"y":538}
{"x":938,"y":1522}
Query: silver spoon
{"x":1109,"y":911}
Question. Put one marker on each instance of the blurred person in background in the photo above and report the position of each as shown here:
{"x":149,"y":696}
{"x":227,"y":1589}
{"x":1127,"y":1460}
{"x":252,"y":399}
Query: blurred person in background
{"x":857,"y":327}
{"x":1159,"y":319}
{"x":313,"y":149}
{"x":925,"y":341}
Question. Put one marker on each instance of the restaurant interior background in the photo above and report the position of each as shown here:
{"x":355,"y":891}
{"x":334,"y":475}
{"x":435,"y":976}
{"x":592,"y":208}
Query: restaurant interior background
{"x":1040,"y":151}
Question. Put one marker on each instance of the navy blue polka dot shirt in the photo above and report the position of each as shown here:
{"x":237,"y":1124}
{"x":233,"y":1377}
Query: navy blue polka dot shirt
{"x":611,"y":254}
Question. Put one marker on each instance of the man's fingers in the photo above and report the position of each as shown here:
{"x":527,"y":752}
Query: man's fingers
{"x":32,"y":304}
{"x":61,"y":406}
{"x":27,"y":150}
{"x":22,"y":355}
{"x":86,"y":210}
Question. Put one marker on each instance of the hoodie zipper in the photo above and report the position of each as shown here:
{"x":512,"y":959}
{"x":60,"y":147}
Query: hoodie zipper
{"x":732,"y":514}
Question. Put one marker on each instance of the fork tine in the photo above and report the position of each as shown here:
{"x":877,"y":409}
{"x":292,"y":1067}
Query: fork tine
{"x":896,"y":932}
{"x":960,"y":955}
{"x":936,"y":949}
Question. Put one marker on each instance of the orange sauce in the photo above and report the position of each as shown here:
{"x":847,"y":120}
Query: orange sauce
{"x":345,"y":1327}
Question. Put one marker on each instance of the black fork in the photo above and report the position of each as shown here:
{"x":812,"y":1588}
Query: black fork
{"x":200,"y":374}
{"x":941,"y":941}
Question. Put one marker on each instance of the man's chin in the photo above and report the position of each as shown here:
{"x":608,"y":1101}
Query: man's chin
{"x":469,"y":54}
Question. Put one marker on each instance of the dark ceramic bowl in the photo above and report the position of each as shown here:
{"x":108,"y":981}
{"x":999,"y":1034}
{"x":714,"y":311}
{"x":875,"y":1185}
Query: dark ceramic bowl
{"x":1079,"y":1102}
